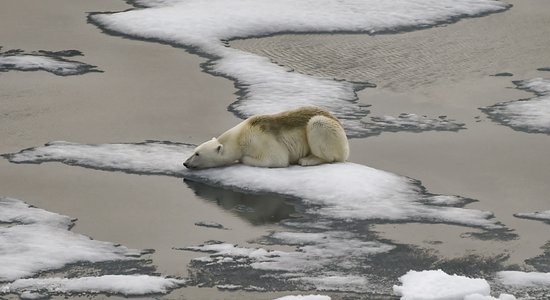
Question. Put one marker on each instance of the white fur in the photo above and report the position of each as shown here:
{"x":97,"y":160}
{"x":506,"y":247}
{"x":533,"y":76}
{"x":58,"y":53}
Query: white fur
{"x":321,"y":139}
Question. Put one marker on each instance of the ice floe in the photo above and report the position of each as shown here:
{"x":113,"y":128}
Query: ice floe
{"x":53,"y":62}
{"x":309,"y":265}
{"x":36,"y":240}
{"x":266,"y":87}
{"x":341,"y":191}
{"x":539,"y":215}
{"x":524,"y":279}
{"x":127,"y":285}
{"x":438,"y":285}
{"x":529,"y":115}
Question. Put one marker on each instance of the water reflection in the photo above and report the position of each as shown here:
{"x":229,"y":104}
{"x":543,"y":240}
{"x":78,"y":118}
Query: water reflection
{"x":257,"y":209}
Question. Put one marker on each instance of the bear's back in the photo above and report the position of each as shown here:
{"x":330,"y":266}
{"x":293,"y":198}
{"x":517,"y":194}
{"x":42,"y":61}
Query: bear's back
{"x":288,"y":120}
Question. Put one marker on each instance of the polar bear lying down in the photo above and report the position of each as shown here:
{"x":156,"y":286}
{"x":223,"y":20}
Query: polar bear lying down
{"x":307,"y":136}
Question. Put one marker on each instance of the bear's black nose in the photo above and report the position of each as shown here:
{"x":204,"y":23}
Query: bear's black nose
{"x":186,"y":165}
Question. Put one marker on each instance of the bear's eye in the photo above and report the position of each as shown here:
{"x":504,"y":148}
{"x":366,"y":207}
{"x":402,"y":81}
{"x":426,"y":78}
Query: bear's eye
{"x":197,"y":154}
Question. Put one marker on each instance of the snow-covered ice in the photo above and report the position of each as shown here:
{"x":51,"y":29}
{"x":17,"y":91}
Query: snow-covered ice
{"x":524,"y":279}
{"x":539,"y":215}
{"x":438,"y":285}
{"x":37,"y":240}
{"x":530,"y":115}
{"x":340,"y":190}
{"x":266,"y":87}
{"x":127,"y":285}
{"x":52,"y":62}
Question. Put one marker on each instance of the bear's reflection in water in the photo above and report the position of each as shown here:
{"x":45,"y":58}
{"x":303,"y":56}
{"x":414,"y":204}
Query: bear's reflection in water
{"x":255,"y":208}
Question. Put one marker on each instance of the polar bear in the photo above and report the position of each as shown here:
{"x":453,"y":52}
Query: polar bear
{"x":307,"y":136}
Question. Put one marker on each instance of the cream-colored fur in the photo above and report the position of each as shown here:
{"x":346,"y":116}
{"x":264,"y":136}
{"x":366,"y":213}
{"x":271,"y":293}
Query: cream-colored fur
{"x":306,"y":136}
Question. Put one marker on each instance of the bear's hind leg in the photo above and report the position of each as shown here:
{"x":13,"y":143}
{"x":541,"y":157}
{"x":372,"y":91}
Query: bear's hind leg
{"x":327,"y":140}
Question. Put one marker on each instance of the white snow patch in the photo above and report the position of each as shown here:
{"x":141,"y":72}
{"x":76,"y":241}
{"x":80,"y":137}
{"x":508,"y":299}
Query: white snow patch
{"x":532,"y":115}
{"x":38,"y":240}
{"x":524,"y":279}
{"x":128,"y":285}
{"x":267,"y":87}
{"x":339,"y":190}
{"x":438,"y":285}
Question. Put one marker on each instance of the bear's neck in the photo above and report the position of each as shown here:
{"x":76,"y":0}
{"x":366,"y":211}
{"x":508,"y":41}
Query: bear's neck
{"x":231,"y":143}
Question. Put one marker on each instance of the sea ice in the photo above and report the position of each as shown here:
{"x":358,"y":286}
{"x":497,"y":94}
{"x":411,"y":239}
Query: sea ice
{"x":267,"y":87}
{"x":539,"y":215}
{"x":37,"y":240}
{"x":524,"y":279}
{"x":308,"y":264}
{"x":48,"y":61}
{"x":127,"y":285}
{"x":529,"y":115}
{"x":438,"y":285}
{"x":339,"y":190}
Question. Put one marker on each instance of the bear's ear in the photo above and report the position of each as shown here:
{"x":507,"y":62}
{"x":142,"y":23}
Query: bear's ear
{"x":219,"y":149}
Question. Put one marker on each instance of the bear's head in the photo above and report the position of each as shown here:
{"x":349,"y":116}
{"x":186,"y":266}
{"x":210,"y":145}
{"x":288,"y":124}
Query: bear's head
{"x":208,"y":155}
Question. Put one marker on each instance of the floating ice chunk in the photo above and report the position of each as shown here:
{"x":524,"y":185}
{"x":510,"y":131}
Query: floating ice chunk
{"x":340,"y":190}
{"x":540,"y":215}
{"x":524,"y":279}
{"x":306,"y":297}
{"x":266,"y":87}
{"x":210,"y":224}
{"x":529,"y":115}
{"x":229,"y":287}
{"x":438,"y":285}
{"x":48,"y":61}
{"x":33,"y":296}
{"x":38,"y":240}
{"x":127,"y":285}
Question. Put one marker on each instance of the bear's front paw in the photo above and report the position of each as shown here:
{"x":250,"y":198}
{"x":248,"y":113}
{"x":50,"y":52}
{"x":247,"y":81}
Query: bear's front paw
{"x":310,"y":161}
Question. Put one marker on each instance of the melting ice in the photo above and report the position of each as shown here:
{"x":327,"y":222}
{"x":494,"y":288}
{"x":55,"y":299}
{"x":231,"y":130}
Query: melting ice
{"x":38,"y":240}
{"x":539,"y":215}
{"x":267,"y":87}
{"x":529,"y":115}
{"x":438,"y":285}
{"x":34,"y":240}
{"x":127,"y":285}
{"x":53,"y":62}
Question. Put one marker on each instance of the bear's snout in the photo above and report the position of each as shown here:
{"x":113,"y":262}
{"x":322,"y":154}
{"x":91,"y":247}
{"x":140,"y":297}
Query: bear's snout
{"x":188,"y":164}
